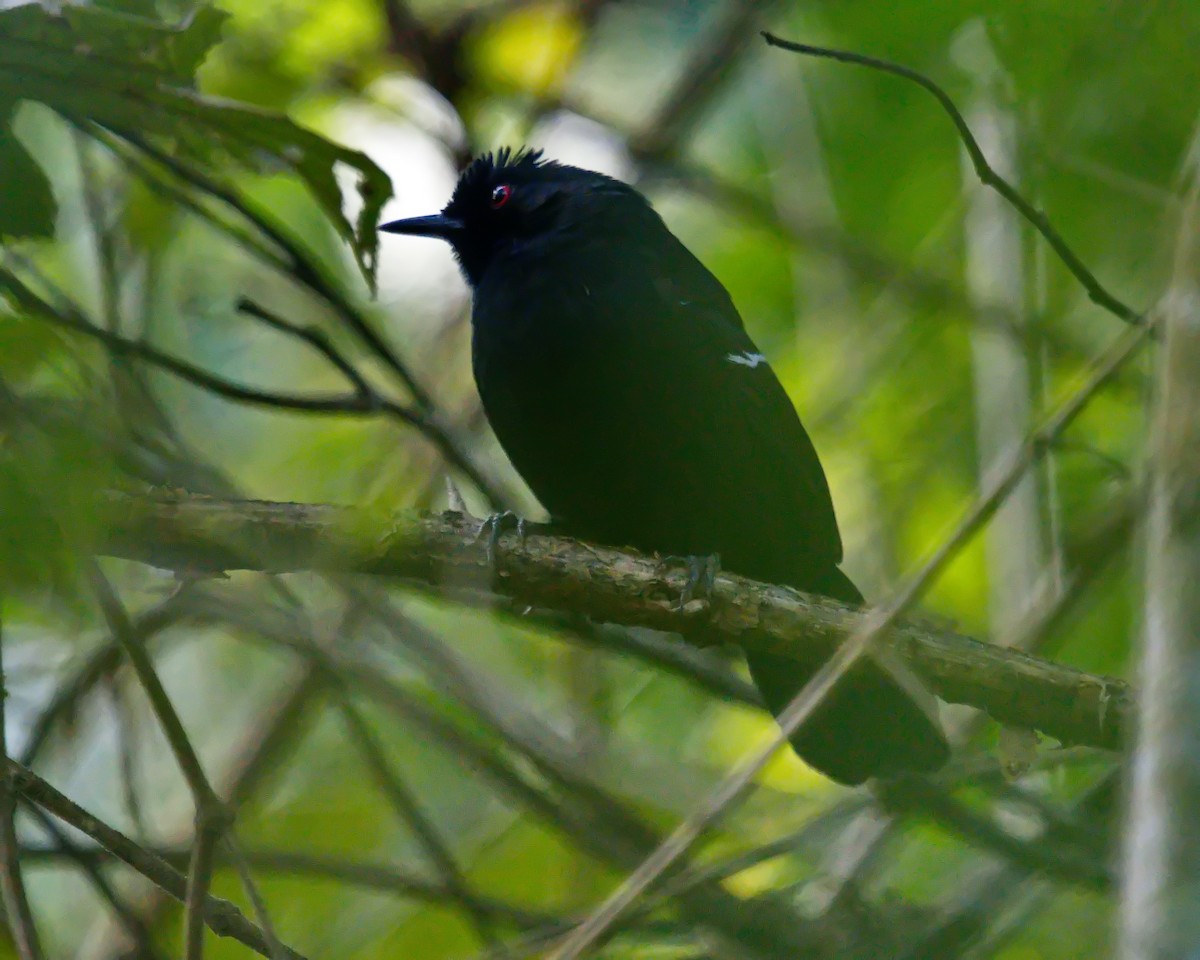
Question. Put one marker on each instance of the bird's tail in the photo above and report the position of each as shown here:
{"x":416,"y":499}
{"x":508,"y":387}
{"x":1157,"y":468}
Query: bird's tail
{"x":869,"y":725}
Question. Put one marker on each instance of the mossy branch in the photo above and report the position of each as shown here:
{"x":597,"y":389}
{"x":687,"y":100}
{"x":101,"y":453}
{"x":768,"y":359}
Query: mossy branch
{"x":617,"y":586}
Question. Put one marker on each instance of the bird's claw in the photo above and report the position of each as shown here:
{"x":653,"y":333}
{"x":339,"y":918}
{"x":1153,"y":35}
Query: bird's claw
{"x":496,"y":526}
{"x":702,"y":570}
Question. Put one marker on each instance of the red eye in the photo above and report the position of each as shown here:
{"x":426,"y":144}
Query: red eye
{"x":500,"y":196}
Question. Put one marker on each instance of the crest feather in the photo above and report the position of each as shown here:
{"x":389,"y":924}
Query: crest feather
{"x":521,"y":160}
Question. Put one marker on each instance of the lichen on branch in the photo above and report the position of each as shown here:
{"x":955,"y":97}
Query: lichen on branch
{"x":611,"y":585}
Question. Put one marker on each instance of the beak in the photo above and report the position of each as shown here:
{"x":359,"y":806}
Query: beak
{"x":437,"y":225}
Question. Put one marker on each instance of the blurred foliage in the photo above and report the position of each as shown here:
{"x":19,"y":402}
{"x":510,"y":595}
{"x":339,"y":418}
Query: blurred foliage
{"x":161,"y":160}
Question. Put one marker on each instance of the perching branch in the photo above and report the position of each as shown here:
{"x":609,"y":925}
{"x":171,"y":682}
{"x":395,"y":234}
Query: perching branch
{"x":610,"y":585}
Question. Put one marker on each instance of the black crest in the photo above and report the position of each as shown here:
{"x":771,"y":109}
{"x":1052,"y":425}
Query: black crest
{"x":505,"y":165}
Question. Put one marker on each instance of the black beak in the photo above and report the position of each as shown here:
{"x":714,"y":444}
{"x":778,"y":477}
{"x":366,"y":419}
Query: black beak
{"x":437,"y":225}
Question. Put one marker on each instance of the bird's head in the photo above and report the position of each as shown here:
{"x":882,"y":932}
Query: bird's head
{"x":508,"y":202}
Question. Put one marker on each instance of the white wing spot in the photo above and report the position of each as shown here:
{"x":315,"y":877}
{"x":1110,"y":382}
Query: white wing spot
{"x":751,"y":360}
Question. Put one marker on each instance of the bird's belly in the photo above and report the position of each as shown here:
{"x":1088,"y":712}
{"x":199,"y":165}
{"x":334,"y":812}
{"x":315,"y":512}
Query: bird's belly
{"x":565,"y":436}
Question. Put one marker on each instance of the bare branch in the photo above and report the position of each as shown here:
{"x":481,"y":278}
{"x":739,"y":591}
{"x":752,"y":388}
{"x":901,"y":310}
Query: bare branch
{"x":12,"y":885}
{"x":213,"y":819}
{"x":408,"y":808}
{"x":65,"y":848}
{"x":211,"y":816}
{"x":222,"y":917}
{"x":1162,"y":841}
{"x":30,"y":302}
{"x":367,"y":874}
{"x":199,"y":879}
{"x":302,"y":265}
{"x":610,"y":585}
{"x":314,"y":337}
{"x":597,"y":823}
{"x":984,"y":170}
{"x":1061,"y":860}
{"x":99,"y":664}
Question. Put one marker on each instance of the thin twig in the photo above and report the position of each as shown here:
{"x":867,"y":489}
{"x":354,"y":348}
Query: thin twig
{"x":372,"y":399}
{"x":12,"y":885}
{"x":213,"y":819}
{"x":205,"y":838}
{"x":122,"y":628}
{"x":314,"y":337}
{"x":368,"y":874}
{"x":562,"y":797}
{"x":409,"y":810}
{"x":64,"y":847}
{"x":1096,"y":551}
{"x":358,"y":403}
{"x":303,"y":266}
{"x":309,"y":272}
{"x":211,"y":816}
{"x":258,"y":904}
{"x":99,"y":664}
{"x":223,"y":918}
{"x":284,"y":719}
{"x":1064,"y":861}
{"x":161,"y":184}
{"x":102,"y":238}
{"x":984,"y":170}
{"x":295,"y":261}
{"x":982,"y":902}
{"x":127,"y":749}
{"x":592,"y":820}
{"x":71,"y":319}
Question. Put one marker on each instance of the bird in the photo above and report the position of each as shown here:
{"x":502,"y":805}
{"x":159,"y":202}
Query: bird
{"x":619,"y":378}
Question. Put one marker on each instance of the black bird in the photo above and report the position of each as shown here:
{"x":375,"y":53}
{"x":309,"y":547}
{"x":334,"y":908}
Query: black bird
{"x":617,"y":375}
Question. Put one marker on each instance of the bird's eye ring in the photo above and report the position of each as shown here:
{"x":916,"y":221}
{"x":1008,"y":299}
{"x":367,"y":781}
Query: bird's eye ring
{"x":500,"y":195}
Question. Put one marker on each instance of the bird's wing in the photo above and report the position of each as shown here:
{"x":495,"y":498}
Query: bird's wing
{"x":738,"y":432}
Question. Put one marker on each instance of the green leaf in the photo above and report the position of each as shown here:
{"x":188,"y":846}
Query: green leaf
{"x":175,"y":51}
{"x":27,"y":207}
{"x":135,"y":76}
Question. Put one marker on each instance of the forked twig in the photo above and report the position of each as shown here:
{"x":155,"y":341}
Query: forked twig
{"x":222,"y":917}
{"x":213,"y":819}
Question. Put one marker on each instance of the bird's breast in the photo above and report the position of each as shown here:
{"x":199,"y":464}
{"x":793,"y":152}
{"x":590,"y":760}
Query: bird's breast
{"x":552,"y":389}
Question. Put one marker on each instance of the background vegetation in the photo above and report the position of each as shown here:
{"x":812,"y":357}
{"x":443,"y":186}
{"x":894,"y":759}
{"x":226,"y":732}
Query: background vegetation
{"x":166,"y":167}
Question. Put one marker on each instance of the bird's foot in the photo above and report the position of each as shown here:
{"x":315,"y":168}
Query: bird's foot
{"x":702,"y":570}
{"x":497,"y":525}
